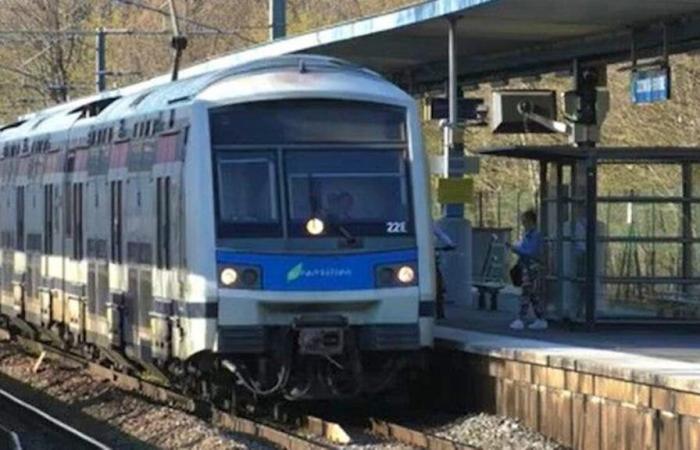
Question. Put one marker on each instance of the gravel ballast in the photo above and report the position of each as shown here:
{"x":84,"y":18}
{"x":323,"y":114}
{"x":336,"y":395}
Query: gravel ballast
{"x":152,"y":425}
{"x":159,"y":426}
{"x":490,"y":432}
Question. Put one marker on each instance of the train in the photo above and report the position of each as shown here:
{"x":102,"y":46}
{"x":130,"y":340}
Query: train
{"x":259,"y":231}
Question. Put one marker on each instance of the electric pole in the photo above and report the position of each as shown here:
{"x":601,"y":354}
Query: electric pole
{"x":178,"y":42}
{"x":100,"y":64}
{"x":278,"y":19}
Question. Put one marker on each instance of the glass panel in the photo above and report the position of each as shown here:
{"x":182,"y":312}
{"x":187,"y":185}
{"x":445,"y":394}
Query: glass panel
{"x":651,"y":301}
{"x":633,"y":260}
{"x":695,"y":220}
{"x":695,"y":260}
{"x":247,"y":193}
{"x":659,"y":180}
{"x":642,"y":219}
{"x":303,"y":121}
{"x":363,"y":192}
{"x":695,"y":180}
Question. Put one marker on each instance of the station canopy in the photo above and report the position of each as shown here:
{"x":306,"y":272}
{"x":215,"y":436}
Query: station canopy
{"x":495,"y":38}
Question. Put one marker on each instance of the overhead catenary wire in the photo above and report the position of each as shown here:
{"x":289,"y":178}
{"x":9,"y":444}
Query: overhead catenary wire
{"x":189,"y":21}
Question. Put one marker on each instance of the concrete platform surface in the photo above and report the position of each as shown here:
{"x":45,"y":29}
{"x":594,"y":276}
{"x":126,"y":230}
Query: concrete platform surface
{"x":662,"y":357}
{"x":680,"y":343}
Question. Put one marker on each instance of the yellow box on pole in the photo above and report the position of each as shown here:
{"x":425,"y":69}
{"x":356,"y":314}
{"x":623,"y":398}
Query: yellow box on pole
{"x":455,"y":190}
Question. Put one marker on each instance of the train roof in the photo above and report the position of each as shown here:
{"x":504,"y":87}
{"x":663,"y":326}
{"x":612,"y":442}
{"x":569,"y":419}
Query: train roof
{"x":119,"y":103}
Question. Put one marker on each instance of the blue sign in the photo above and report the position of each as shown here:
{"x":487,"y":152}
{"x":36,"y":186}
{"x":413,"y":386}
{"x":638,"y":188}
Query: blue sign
{"x":289,"y":272}
{"x":651,"y":85}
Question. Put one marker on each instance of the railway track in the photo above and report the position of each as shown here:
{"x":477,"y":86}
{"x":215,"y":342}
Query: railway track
{"x":307,"y":432}
{"x":25,"y":427}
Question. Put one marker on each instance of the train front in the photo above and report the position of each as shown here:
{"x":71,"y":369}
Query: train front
{"x":324,"y":263}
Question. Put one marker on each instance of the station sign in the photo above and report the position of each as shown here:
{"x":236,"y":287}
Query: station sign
{"x":437,"y":108}
{"x":455,"y":190}
{"x":650,"y":85}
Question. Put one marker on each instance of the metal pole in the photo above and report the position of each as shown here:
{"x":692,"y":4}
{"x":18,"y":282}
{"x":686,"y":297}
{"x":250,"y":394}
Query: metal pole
{"x":454,"y":147}
{"x":591,"y":235}
{"x":452,"y":83}
{"x":278,"y":19}
{"x":687,"y":263}
{"x":100,"y":64}
{"x":178,"y":42}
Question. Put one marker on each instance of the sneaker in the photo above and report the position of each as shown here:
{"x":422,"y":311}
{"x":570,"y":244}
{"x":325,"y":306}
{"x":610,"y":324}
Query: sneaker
{"x":539,"y":324}
{"x":517,"y":324}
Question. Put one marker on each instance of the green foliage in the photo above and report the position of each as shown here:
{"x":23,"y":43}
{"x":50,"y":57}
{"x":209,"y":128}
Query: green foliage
{"x":35,"y":67}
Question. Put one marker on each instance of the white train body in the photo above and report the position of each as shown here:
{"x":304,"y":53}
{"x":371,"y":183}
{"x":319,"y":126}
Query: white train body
{"x":263,"y":221}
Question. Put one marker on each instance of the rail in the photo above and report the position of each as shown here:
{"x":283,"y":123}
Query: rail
{"x":314,"y":433}
{"x":274,"y":434}
{"x":25,"y":426}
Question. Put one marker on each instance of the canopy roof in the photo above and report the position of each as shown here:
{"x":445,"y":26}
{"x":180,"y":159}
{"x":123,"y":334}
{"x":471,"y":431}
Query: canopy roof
{"x":569,"y":154}
{"x":494,"y":37}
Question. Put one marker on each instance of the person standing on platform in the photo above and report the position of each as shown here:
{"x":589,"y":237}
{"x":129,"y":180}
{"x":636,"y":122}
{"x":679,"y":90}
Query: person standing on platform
{"x":529,"y":251}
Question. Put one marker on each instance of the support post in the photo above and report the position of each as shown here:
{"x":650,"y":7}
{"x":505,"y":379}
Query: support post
{"x":591,"y":235}
{"x":687,"y":265}
{"x":100,"y":61}
{"x":453,"y":138}
{"x":278,"y":19}
{"x":178,"y":41}
{"x":586,"y":131}
{"x":455,"y":265}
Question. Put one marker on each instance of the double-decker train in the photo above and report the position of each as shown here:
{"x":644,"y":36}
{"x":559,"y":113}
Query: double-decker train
{"x":262,"y":230}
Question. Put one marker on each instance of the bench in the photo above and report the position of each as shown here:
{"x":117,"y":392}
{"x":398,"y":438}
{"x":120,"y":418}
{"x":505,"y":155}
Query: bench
{"x":491,"y":288}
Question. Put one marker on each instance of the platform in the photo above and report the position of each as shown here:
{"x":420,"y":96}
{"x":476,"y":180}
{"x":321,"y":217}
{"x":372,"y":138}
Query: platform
{"x":663,"y":341}
{"x":606,"y":389}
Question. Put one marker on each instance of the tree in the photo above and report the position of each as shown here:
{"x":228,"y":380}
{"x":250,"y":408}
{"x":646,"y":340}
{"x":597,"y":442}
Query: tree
{"x":46,"y":61}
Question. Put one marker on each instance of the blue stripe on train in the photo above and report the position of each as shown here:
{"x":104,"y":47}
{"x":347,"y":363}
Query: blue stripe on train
{"x":285,"y":272}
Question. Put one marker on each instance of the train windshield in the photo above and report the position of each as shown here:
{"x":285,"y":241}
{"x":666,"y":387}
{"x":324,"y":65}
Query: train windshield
{"x":279,"y":164}
{"x":247,"y":193}
{"x":353,"y":191}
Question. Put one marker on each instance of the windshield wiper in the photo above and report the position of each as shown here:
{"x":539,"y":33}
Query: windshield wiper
{"x":351,"y":240}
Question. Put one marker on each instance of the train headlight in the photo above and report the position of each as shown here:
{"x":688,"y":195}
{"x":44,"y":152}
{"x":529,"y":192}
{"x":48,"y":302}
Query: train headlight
{"x":250,"y":278}
{"x":240,"y":277}
{"x":396,"y":275}
{"x":406,"y":274}
{"x":315,"y":226}
{"x":385,"y":276}
{"x":228,"y":276}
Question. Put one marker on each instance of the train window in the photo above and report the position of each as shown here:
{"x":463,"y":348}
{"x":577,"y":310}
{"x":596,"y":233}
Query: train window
{"x":94,"y":108}
{"x":68,"y":197}
{"x":19,"y":243}
{"x":78,"y":221}
{"x":48,"y":219}
{"x":246,"y":185}
{"x":163,"y":222}
{"x":307,"y":121}
{"x":361,"y":192}
{"x":116,"y":221}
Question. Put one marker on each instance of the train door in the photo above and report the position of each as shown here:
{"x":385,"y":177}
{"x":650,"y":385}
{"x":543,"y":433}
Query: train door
{"x":52,"y":264}
{"x":19,"y":255}
{"x":118,"y":310}
{"x":139,"y":255}
{"x":6,"y":241}
{"x":34,"y":212}
{"x":75,"y":281}
{"x":165,"y":329}
{"x":139,"y":251}
{"x":97,"y":206}
{"x":44,"y":291}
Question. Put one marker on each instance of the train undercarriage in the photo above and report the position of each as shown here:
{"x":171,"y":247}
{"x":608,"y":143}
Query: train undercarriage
{"x":301,"y":364}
